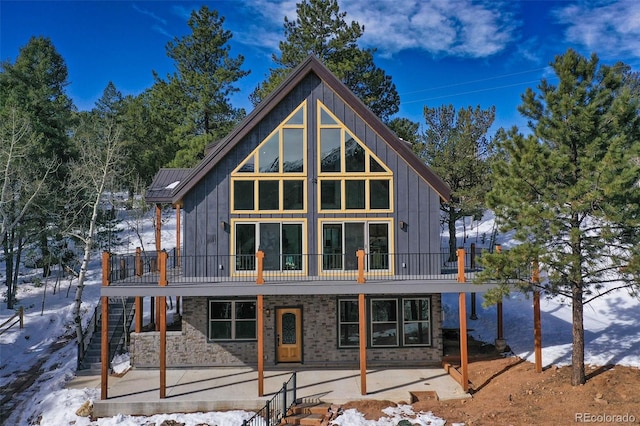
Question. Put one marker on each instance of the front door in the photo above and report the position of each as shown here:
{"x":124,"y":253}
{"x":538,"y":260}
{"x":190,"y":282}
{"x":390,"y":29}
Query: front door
{"x":289,"y":335}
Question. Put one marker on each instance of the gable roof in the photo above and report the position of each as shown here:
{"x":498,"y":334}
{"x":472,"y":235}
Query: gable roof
{"x":310,"y":65}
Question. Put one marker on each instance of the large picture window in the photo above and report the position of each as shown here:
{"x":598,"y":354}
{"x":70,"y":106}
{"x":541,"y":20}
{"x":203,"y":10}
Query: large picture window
{"x":351,"y":177}
{"x":391,"y":322}
{"x":341,"y":240}
{"x":281,"y":242}
{"x":232,"y":319}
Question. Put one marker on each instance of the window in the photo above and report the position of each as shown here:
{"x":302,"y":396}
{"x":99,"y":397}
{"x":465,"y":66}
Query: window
{"x":281,"y":242}
{"x":341,"y":240}
{"x":348,"y":324}
{"x":351,"y":177}
{"x":387,"y":327}
{"x":416,"y":322}
{"x":232,"y":319}
{"x":273,"y":177}
{"x":384,"y":322}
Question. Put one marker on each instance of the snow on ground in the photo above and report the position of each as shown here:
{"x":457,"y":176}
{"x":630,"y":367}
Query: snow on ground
{"x":611,"y":337}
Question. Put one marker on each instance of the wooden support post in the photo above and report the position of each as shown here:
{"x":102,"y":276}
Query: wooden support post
{"x":360,"y":255}
{"x":362,"y":331}
{"x":537,"y":323}
{"x":164,"y":256}
{"x":162,"y":309}
{"x":138,"y":266}
{"x":21,"y":313}
{"x":139,"y":314}
{"x":461,"y":276}
{"x":260,"y":345}
{"x":178,"y":260}
{"x":104,"y":342}
{"x":462,"y":307}
{"x":260,"y":259}
{"x":464,"y":369}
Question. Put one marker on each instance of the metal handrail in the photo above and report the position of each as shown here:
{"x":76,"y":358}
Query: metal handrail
{"x":277,"y":407}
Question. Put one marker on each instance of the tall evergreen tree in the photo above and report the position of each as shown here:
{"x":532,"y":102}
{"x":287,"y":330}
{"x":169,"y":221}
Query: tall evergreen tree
{"x":320,"y":29}
{"x":571,"y":190}
{"x":456,"y":147}
{"x":196,"y":97}
{"x":36,"y":84}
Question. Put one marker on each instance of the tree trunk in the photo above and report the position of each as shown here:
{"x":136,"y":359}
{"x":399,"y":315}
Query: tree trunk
{"x":577,"y":358}
{"x":8,"y":262}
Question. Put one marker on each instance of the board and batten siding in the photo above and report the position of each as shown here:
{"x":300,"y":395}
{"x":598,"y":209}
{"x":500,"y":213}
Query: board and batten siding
{"x":207,"y":205}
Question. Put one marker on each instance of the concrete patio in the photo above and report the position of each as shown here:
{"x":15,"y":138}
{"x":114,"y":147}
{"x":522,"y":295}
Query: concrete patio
{"x":217,"y":389}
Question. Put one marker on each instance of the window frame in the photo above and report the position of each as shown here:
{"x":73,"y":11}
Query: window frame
{"x":389,"y":270}
{"x":233,"y":320}
{"x":400,"y":321}
{"x":257,"y":225}
{"x":342,"y":175}
{"x":256,"y":176}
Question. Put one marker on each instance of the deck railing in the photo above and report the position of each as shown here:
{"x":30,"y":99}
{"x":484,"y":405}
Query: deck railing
{"x":277,"y":407}
{"x":265,"y":267}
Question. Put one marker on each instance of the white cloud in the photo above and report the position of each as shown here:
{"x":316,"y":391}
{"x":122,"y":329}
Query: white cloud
{"x":150,"y":14}
{"x":444,"y":28}
{"x":612,"y":30}
{"x":462,"y":28}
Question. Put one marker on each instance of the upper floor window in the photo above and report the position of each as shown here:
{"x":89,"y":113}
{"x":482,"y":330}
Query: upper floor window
{"x":272,"y":177}
{"x":351,"y":177}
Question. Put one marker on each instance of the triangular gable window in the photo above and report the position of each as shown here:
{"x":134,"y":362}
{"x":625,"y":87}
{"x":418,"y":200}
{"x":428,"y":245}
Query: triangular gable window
{"x":351,"y":176}
{"x":272,"y":177}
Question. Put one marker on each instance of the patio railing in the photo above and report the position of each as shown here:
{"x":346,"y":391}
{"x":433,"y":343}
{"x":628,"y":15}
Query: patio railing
{"x":264,"y":267}
{"x":277,"y":407}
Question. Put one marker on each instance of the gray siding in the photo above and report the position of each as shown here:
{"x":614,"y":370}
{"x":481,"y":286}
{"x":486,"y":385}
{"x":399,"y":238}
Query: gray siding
{"x":208,"y":205}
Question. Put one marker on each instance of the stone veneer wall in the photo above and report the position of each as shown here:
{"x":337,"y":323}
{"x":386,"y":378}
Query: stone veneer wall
{"x":190,"y":348}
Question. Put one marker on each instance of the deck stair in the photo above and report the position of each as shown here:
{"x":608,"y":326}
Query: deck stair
{"x":121,"y":314}
{"x":311,"y":414}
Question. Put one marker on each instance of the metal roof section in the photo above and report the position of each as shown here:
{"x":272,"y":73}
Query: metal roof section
{"x":164,"y":182}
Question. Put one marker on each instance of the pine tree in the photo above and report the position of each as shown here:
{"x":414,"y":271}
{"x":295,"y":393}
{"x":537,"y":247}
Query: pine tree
{"x":456,"y":147}
{"x":195,"y":99}
{"x":571,"y":191}
{"x":320,"y":29}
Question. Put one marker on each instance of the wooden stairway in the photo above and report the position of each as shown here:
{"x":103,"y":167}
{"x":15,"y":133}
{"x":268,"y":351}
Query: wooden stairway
{"x":312,"y":414}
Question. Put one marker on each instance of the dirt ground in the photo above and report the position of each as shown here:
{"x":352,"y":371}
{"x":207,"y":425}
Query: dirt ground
{"x":508,"y":391}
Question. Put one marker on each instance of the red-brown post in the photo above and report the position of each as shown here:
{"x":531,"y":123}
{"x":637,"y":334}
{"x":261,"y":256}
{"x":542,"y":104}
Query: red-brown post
{"x":260,"y":259}
{"x":138,"y":262}
{"x":104,"y":343}
{"x":139,"y":314}
{"x":537,"y":323}
{"x":464,"y":369}
{"x":163,"y":267}
{"x":461,"y":276}
{"x":360,"y":255}
{"x":260,"y":345}
{"x":362,"y":330}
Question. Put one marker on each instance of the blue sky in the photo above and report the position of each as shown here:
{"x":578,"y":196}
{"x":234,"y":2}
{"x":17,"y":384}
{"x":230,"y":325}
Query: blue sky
{"x":458,"y":52}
